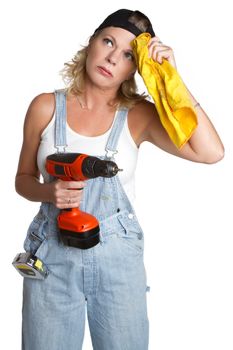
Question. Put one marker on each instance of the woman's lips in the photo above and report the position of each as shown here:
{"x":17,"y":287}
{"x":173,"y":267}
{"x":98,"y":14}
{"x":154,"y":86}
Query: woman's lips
{"x":104,"y":71}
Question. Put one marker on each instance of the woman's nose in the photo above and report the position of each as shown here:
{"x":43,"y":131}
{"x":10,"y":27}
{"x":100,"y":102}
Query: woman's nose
{"x":112,"y":57}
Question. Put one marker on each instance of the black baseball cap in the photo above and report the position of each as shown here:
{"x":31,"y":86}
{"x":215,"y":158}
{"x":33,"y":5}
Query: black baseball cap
{"x":121,"y":19}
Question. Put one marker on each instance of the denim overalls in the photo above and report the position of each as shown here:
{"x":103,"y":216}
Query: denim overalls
{"x":108,"y":279}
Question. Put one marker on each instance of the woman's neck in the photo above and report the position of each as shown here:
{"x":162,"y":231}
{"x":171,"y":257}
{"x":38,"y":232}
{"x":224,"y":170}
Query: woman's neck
{"x":95,"y":98}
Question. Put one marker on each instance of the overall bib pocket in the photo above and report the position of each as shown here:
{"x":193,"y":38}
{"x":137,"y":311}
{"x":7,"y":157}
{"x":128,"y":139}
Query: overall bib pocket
{"x":131,"y":235}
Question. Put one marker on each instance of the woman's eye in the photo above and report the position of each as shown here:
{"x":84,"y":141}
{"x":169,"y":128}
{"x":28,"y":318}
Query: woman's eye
{"x":129,"y":56}
{"x":108,"y":41}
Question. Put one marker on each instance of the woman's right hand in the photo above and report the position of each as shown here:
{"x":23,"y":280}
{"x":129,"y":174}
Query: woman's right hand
{"x":66,"y":194}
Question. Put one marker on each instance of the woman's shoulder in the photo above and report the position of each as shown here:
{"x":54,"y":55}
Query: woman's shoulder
{"x":43,"y":102}
{"x":139,"y":118}
{"x":41,"y":110}
{"x":143,"y":108}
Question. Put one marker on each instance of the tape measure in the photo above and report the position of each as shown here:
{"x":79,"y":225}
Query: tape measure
{"x":28,"y":265}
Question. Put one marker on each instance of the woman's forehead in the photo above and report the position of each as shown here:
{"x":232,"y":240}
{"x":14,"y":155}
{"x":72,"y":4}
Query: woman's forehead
{"x":122,"y":36}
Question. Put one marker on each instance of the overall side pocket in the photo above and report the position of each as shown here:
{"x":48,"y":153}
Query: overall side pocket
{"x":36,"y":234}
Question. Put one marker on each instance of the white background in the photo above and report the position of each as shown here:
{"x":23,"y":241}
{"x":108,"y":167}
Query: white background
{"x":184,"y":207}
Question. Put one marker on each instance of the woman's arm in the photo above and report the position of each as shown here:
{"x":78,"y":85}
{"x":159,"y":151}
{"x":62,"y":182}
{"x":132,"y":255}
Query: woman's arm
{"x":204,"y":146}
{"x":27,"y":180}
{"x":205,"y":141}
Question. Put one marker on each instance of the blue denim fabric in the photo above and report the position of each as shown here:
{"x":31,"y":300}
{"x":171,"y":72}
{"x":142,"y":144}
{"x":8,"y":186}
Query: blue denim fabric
{"x":107,"y":281}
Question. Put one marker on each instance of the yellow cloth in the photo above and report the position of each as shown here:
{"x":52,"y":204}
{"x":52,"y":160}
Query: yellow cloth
{"x":168,"y":91}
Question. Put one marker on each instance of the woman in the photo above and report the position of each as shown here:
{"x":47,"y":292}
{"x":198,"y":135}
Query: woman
{"x":106,"y":118}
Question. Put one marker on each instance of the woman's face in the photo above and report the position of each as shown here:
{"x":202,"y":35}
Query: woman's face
{"x":111,"y":51}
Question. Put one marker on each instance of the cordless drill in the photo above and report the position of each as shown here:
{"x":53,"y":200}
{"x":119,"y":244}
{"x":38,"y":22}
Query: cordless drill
{"x":77,"y":228}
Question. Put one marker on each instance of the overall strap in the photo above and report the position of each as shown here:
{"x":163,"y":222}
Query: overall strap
{"x":60,"y":121}
{"x":113,"y":138}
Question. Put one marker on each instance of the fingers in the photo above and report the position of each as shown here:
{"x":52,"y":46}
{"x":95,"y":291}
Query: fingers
{"x":72,"y":202}
{"x":76,"y":185}
{"x":68,"y":194}
{"x":158,"y":51}
{"x":68,"y":200}
{"x":154,"y":41}
{"x":154,"y":46}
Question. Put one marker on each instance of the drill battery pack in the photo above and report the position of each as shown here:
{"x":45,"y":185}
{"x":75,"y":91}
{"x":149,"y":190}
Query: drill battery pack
{"x":28,"y":265}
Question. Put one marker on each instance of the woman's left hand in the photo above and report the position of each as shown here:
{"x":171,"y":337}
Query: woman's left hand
{"x":158,"y":51}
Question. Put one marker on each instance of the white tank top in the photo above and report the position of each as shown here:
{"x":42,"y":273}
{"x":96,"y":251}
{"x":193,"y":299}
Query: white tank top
{"x":126,"y":158}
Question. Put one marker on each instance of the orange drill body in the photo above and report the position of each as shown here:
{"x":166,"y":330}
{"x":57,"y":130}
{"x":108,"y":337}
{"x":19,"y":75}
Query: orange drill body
{"x":65,"y":169}
{"x":77,"y":228}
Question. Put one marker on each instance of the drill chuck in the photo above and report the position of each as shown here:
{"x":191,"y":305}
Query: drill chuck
{"x":94,"y":167}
